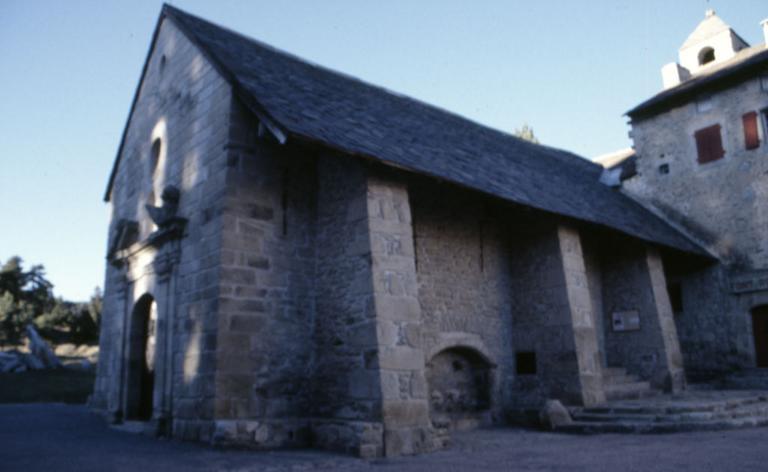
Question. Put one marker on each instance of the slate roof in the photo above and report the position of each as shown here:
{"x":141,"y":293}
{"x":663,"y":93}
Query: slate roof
{"x":746,"y":64}
{"x":309,"y":102}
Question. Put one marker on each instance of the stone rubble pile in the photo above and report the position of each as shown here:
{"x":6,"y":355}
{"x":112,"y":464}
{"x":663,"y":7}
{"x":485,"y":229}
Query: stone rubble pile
{"x":88,"y":353}
{"x":40,"y":356}
{"x":15,"y":361}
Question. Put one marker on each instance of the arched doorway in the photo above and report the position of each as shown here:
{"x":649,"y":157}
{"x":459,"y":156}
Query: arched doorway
{"x":459,"y":380}
{"x":760,"y":333}
{"x":141,"y":360}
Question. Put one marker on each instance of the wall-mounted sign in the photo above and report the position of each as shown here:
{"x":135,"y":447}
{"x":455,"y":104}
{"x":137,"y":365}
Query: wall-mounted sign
{"x":744,"y":282}
{"x":625,"y":321}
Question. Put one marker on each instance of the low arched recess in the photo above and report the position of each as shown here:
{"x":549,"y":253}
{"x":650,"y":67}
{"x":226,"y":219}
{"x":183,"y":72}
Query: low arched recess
{"x":460,"y":385}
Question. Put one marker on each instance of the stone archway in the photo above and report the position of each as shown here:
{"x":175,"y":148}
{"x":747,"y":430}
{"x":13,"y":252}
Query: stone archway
{"x":142,"y":340}
{"x":760,"y":335}
{"x":459,"y":380}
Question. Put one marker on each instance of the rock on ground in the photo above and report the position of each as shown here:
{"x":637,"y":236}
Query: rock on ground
{"x":554,"y":414}
{"x":41,"y":350}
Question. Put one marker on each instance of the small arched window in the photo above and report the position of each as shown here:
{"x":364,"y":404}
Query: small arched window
{"x":706,"y":56}
{"x":154,"y":157}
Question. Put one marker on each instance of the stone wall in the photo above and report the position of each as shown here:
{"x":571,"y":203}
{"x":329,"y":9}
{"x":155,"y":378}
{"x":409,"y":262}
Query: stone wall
{"x":267,"y":280}
{"x":346,"y":384}
{"x":634,"y":283}
{"x":183,"y":102}
{"x":463,"y":270}
{"x":721,"y":203}
{"x":581,"y":315}
{"x":542,"y":323}
{"x":714,"y":326}
{"x":399,"y":320}
{"x":592,"y":250}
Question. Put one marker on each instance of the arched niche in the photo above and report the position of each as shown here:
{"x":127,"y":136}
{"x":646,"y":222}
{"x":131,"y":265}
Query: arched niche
{"x":460,"y":385}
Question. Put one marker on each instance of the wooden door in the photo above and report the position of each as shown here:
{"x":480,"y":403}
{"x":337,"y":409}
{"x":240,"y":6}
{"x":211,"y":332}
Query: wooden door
{"x":760,"y":332}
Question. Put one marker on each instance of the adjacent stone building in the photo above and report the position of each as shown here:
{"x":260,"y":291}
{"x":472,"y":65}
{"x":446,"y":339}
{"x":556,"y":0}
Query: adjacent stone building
{"x":298,"y":258}
{"x":702,"y":163}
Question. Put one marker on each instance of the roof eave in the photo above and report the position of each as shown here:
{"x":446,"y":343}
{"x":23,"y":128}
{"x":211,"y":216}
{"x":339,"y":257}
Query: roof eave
{"x":694,"y":248}
{"x":113,"y":173}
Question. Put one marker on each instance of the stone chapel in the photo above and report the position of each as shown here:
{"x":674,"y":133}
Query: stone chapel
{"x":299,"y":258}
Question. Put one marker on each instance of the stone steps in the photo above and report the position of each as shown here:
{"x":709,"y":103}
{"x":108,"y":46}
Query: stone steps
{"x":678,"y":407}
{"x":747,"y":379}
{"x":619,"y":385}
{"x":692,"y":411}
{"x":760,"y":409}
{"x":590,"y":427}
{"x":610,"y":372}
{"x":629,"y":390}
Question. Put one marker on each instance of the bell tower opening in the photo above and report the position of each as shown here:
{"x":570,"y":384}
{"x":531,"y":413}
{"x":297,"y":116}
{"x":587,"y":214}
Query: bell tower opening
{"x":706,"y":56}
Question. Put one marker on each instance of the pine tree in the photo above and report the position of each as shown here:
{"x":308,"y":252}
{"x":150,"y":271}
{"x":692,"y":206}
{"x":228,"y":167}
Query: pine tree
{"x":526,"y":132}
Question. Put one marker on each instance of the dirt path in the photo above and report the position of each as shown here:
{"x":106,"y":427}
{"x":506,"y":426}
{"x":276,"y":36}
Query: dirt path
{"x":48,"y":437}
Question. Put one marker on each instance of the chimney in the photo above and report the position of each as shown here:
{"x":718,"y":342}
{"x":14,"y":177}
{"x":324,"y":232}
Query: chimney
{"x":764,"y":23}
{"x":673,"y":73}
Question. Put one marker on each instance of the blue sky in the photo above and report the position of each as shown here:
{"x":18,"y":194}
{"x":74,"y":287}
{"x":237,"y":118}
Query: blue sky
{"x":68,"y":71}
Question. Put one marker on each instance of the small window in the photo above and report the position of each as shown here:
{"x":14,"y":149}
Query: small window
{"x":764,"y":83}
{"x":709,"y":144}
{"x":751,"y":136}
{"x":675,"y":290}
{"x":764,"y":117}
{"x":525,"y":362}
{"x":703,"y":104}
{"x":154,"y":158}
{"x":706,"y":56}
{"x":664,"y":169}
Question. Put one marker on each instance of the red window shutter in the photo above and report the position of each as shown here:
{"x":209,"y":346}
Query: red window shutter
{"x":751,"y":137}
{"x":709,"y":144}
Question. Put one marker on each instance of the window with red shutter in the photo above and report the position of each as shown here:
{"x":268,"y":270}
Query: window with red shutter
{"x":751,"y":137}
{"x":709,"y":145}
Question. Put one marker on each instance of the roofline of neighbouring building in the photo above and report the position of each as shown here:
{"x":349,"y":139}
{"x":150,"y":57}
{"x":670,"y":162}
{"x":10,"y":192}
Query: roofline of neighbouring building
{"x":689,"y":90}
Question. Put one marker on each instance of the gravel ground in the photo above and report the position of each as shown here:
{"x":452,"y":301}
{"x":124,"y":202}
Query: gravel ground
{"x":59,"y":438}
